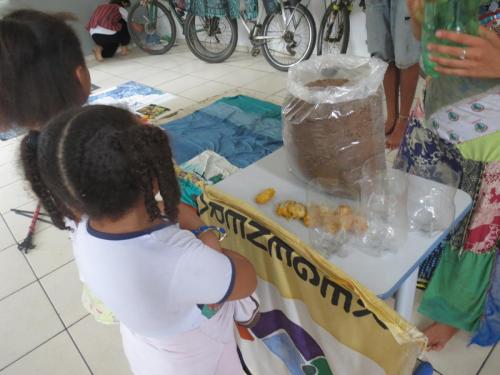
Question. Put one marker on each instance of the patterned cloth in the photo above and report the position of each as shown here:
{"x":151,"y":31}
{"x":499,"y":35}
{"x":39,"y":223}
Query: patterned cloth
{"x":223,"y":8}
{"x":463,"y":290}
{"x":423,"y":147}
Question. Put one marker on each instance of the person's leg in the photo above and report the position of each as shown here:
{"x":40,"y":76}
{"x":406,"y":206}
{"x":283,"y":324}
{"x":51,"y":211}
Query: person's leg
{"x":108,"y":44}
{"x":97,"y":48}
{"x":406,"y":57}
{"x":391,"y":88}
{"x":438,"y":335}
{"x":408,"y":79}
{"x":380,"y":44}
{"x":123,"y":37}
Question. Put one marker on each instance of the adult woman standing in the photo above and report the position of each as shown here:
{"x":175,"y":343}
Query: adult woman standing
{"x":464,"y":291}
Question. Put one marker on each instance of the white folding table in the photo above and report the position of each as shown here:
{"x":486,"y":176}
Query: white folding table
{"x":386,"y":276}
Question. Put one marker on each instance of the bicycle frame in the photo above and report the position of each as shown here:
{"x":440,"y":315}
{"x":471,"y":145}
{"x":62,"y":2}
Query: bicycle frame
{"x":251,"y":25}
{"x":153,"y":11}
{"x":335,"y":4}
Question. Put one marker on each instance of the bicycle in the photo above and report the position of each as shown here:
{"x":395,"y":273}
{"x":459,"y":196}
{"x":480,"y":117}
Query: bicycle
{"x":152,"y":26}
{"x":286,"y":36}
{"x":335,"y":27}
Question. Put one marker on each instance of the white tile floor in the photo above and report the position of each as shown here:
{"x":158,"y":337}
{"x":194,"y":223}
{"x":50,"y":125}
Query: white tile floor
{"x":43,"y":327}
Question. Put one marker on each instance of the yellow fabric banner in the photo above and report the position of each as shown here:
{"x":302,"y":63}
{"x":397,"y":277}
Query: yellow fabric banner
{"x":315,"y":319}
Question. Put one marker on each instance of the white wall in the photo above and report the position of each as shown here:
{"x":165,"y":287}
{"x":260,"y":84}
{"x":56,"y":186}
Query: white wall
{"x":81,"y":8}
{"x":357,"y":40}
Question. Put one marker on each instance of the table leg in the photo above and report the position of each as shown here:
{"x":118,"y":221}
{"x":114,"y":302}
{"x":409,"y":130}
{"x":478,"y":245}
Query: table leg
{"x":405,"y":296}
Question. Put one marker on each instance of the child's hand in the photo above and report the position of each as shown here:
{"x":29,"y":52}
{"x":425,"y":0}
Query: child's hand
{"x":189,"y":220}
{"x":211,"y":240}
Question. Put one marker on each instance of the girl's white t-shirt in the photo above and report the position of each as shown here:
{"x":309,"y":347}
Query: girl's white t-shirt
{"x":155,"y":280}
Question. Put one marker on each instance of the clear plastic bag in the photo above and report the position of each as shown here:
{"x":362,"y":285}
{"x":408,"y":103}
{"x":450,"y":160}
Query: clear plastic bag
{"x":333,"y":119}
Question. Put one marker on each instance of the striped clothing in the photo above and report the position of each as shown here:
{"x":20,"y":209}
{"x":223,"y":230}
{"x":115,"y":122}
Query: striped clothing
{"x":107,"y":16}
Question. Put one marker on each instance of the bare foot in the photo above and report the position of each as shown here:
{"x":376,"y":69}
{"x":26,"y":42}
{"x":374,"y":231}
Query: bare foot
{"x":389,"y":126}
{"x":124,"y":51}
{"x":396,"y":137}
{"x":98,"y":53}
{"x":439,"y":334}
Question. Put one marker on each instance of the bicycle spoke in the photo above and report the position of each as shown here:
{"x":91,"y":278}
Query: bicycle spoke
{"x":151,"y":28}
{"x":213,"y":36}
{"x":292,"y":43}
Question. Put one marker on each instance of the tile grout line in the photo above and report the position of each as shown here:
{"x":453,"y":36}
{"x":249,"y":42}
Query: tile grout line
{"x":65,"y":327}
{"x":18,"y":290}
{"x":55,"y":269}
{"x":58,"y":315}
{"x":77,"y":348}
{"x":78,"y":321}
{"x":10,"y":232}
{"x":486,"y":359}
{"x":32,"y":350}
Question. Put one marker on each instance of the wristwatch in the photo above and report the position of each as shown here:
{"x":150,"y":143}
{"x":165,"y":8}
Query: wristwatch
{"x":219,"y":232}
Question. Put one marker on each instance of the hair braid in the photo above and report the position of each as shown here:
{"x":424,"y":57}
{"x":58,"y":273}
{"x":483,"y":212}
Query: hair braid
{"x":167,"y":179}
{"x":29,"y":156}
{"x":100,"y":162}
{"x":150,"y":158}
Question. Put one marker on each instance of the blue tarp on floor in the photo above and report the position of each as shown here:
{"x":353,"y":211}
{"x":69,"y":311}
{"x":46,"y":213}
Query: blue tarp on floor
{"x":240,"y":128}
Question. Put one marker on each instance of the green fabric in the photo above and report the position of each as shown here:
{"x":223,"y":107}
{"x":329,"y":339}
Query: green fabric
{"x":485,"y":149}
{"x":322,"y":366}
{"x":456,"y":294}
{"x":189,"y":192}
{"x":252,"y":105}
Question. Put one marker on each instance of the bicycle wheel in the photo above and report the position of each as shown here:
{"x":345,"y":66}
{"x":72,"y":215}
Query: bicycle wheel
{"x":211,"y":39}
{"x":290,"y":45}
{"x":334,"y":31}
{"x":152,"y":27}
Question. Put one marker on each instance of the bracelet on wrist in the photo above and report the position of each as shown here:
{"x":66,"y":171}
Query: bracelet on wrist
{"x":219,"y":232}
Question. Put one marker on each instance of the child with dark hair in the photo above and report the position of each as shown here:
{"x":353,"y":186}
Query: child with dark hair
{"x":109,"y":30}
{"x":97,"y":170}
{"x":40,"y":74}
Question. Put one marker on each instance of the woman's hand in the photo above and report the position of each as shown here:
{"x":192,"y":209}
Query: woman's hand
{"x":479,"y":57}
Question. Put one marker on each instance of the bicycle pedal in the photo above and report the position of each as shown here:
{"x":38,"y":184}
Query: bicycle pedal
{"x":255,"y":51}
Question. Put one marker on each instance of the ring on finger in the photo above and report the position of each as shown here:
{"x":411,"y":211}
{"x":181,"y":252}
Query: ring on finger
{"x":463,"y":54}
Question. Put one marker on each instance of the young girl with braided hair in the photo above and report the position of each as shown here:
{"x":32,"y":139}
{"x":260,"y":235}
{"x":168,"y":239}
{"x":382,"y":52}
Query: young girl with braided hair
{"x":97,"y":171}
{"x":41,"y":76}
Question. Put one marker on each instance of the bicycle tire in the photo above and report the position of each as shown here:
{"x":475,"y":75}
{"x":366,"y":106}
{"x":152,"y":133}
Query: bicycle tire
{"x":137,"y":36}
{"x":344,"y":14}
{"x":203,"y":53}
{"x":312,"y":28}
